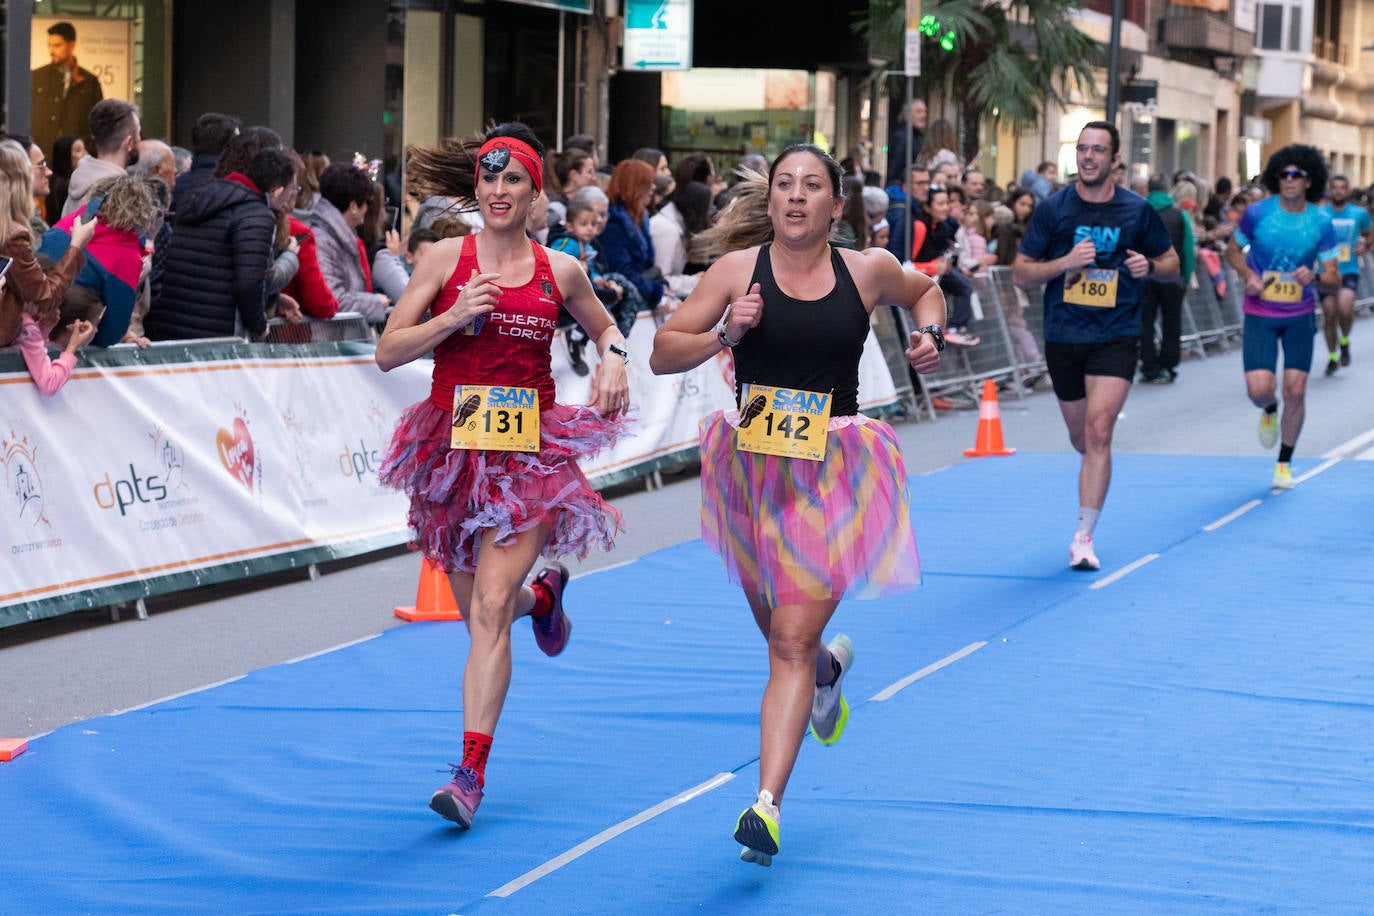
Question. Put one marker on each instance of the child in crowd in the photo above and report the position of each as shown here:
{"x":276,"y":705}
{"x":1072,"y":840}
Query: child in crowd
{"x":879,"y":233}
{"x":972,"y":239}
{"x":583,"y":224}
{"x":75,"y":328}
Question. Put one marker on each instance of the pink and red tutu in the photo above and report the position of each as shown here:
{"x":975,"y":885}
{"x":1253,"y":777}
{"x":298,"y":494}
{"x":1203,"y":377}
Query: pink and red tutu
{"x":793,"y":530}
{"x":456,"y":495}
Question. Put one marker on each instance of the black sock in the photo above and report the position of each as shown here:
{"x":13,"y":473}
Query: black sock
{"x":834,"y":672}
{"x":1286,"y":453}
{"x":1272,"y":408}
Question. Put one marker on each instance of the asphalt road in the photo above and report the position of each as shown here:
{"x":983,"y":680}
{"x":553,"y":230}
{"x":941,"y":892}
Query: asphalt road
{"x":81,"y":665}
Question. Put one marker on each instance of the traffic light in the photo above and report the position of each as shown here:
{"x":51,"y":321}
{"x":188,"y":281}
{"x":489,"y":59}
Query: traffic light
{"x":930,"y":27}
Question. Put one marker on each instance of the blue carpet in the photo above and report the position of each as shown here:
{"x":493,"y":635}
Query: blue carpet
{"x":1194,"y":736}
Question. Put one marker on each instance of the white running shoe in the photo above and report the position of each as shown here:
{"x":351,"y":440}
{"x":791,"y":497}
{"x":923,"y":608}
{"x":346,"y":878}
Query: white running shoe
{"x":1081,"y":554}
{"x":829,"y":711}
{"x":1269,"y":429}
{"x":1283,"y":476}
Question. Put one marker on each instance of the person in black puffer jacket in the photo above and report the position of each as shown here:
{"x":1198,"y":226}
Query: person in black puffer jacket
{"x":212,"y":281}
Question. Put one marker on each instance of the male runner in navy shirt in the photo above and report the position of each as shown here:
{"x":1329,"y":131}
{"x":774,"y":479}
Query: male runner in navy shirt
{"x":1092,"y":244}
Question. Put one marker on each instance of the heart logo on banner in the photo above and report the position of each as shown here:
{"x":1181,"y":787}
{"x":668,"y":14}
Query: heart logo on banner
{"x":236,"y":452}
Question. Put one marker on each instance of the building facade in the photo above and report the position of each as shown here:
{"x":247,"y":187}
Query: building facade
{"x":1210,"y":86}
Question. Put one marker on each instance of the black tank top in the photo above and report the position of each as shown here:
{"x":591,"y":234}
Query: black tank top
{"x":813,"y":345}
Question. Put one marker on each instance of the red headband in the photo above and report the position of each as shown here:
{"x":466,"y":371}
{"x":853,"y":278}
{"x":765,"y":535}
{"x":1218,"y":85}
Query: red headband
{"x":497,"y":153}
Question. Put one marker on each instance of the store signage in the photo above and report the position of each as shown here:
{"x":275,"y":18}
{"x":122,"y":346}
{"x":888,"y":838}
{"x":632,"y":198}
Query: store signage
{"x":658,"y":35}
{"x":912,"y":47}
{"x":569,"y":6}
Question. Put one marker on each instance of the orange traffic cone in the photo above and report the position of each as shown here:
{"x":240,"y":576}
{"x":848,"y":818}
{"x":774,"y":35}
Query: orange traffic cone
{"x":989,"y":440}
{"x":434,"y":600}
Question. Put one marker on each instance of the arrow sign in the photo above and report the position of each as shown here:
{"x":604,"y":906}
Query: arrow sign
{"x":658,"y":35}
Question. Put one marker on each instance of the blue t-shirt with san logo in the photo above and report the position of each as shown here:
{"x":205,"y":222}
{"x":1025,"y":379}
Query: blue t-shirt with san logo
{"x":1276,"y":243}
{"x":1349,"y":223}
{"x":1123,"y":224}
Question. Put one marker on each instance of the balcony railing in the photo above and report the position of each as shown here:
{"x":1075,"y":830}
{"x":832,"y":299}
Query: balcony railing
{"x":1199,"y":30}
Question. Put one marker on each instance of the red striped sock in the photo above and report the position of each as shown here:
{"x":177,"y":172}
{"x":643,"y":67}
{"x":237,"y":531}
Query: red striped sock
{"x":476,"y":747}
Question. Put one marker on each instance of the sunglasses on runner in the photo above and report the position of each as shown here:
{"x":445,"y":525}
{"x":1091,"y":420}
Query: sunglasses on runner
{"x":1097,"y":148}
{"x":1292,"y":173}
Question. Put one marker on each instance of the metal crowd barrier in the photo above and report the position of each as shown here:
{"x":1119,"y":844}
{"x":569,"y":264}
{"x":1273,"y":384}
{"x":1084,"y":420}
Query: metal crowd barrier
{"x":343,"y":326}
{"x":1364,"y":295}
{"x":1010,"y":348}
{"x":1209,"y":322}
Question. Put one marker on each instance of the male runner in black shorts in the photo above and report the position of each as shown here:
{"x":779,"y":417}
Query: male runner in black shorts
{"x":1092,"y":244}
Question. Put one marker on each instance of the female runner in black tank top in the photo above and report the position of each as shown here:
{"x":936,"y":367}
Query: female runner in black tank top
{"x":798,"y":534}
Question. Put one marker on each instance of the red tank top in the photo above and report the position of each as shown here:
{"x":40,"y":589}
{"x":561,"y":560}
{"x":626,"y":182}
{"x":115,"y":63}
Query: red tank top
{"x":512,"y":347}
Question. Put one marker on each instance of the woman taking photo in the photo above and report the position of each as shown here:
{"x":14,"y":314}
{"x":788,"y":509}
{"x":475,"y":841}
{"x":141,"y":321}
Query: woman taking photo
{"x":799,"y":532}
{"x":28,"y":289}
{"x":485,"y":509}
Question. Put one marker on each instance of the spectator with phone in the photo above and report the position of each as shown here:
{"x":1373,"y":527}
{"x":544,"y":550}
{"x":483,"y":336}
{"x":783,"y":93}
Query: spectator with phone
{"x":117,"y":132}
{"x":123,"y":211}
{"x":29,"y":289}
{"x":213,"y":277}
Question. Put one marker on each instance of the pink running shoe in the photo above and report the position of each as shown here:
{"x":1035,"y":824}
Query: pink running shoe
{"x":1081,"y":554}
{"x":458,"y":800}
{"x":552,"y":630}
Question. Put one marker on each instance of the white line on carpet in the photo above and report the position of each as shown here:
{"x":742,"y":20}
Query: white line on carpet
{"x":343,"y":645}
{"x":177,"y":696}
{"x":891,"y":690}
{"x":1124,"y":571}
{"x":1351,"y":446}
{"x":1232,"y":516}
{"x":1329,"y":463}
{"x":609,"y":833}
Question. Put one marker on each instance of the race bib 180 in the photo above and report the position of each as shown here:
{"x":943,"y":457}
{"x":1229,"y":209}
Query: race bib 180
{"x":1092,"y":286}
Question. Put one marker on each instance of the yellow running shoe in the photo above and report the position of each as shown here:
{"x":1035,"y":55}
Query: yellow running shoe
{"x":1283,"y":476}
{"x":757,"y":831}
{"x":1269,"y":428}
{"x":829,"y":711}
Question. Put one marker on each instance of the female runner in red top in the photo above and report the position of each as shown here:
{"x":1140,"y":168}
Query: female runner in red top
{"x":487,"y":514}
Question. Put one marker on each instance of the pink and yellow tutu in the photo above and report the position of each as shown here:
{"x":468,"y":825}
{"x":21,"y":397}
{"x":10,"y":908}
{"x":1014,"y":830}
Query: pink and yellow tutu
{"x":456,"y":495}
{"x":793,"y":530}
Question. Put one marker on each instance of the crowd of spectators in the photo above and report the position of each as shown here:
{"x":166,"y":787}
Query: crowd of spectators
{"x":216,"y":240}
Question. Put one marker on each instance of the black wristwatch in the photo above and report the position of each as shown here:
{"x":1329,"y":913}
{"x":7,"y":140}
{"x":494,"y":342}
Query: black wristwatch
{"x":936,"y":334}
{"x":620,"y":351}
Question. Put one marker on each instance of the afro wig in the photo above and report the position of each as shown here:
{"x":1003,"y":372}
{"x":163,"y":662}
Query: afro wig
{"x":1304,"y":157}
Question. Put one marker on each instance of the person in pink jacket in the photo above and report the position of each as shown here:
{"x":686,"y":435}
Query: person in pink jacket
{"x":81,"y":311}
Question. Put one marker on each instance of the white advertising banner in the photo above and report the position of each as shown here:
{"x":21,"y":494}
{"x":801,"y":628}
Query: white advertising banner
{"x":149,"y":473}
{"x":134,"y":472}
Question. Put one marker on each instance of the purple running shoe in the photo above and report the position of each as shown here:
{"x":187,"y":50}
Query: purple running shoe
{"x":552,"y":630}
{"x":458,"y":799}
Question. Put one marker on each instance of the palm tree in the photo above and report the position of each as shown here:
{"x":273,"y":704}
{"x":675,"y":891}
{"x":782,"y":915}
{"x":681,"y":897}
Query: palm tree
{"x":1010,"y":58}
